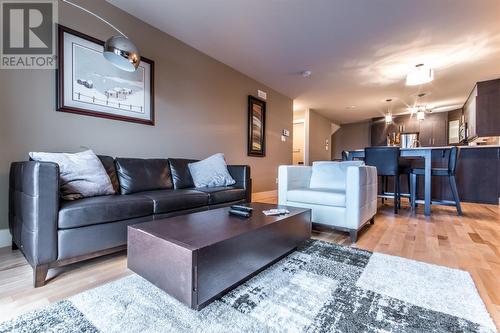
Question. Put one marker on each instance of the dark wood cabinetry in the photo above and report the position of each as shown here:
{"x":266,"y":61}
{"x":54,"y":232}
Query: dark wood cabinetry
{"x":482,"y":109}
{"x":478,"y":175}
{"x":433,"y":130}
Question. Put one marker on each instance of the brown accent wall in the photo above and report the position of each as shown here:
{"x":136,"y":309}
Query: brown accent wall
{"x":350,"y":137}
{"x":319,"y":131}
{"x":201,"y":108}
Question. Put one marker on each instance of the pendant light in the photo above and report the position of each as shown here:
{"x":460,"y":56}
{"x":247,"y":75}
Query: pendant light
{"x":420,"y":114}
{"x":388,"y":115}
{"x":118,"y":50}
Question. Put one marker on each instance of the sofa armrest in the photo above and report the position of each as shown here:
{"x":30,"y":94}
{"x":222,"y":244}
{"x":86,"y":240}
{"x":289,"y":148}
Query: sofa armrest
{"x":241,"y":174}
{"x":33,"y":209}
{"x":292,"y":177}
{"x":361,"y":194}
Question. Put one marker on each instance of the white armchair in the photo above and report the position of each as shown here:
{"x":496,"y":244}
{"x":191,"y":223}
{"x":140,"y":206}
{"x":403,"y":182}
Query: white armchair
{"x":342,"y":195}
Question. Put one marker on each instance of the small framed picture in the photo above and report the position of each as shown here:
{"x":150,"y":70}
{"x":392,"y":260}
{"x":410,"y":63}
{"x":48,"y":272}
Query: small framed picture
{"x":256,"y":127}
{"x":88,"y":84}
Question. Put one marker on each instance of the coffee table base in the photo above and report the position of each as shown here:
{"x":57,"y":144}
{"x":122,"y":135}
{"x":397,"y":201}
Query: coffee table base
{"x":198,"y":276}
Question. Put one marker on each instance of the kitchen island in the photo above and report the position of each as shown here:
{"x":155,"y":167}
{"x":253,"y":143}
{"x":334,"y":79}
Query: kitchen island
{"x":478,"y":173}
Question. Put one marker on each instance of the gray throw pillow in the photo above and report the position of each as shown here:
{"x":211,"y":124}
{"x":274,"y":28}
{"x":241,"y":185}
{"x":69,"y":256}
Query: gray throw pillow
{"x":81,"y":175}
{"x":211,"y":172}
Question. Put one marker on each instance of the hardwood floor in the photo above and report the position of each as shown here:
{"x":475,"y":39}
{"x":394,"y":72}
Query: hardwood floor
{"x":470,"y":242}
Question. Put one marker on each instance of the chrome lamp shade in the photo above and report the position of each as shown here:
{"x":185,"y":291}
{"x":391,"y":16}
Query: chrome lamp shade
{"x":122,"y":53}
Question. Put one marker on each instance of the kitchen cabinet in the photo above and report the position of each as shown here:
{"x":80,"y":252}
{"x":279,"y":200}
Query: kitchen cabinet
{"x":482,"y":109}
{"x":478,"y":175}
{"x":439,"y":129}
{"x":379,"y":133}
{"x":433,"y":130}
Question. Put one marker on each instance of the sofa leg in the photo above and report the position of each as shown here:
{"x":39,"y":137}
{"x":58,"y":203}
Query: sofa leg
{"x":372,"y":220}
{"x":39,"y":275}
{"x":354,"y":235}
{"x":14,"y":246}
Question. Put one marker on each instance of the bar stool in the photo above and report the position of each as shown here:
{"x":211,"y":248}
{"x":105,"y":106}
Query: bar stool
{"x":386,"y":160}
{"x":442,"y":172}
{"x":345,"y":155}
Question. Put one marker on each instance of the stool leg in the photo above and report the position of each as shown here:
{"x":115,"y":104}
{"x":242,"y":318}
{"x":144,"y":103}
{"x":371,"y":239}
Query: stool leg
{"x":453,"y":185}
{"x":408,"y":182}
{"x":396,"y":191}
{"x":384,"y":187}
{"x":413,"y":190}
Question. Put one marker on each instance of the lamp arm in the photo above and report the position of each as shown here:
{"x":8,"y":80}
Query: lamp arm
{"x":95,"y":15}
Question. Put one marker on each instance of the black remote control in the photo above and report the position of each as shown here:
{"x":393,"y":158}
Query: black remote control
{"x":239,"y":213}
{"x":242,"y":208}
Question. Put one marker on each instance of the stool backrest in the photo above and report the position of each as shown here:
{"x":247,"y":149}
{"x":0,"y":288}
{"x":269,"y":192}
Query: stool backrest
{"x":453,"y":160}
{"x":385,"y":159}
{"x":345,"y":155}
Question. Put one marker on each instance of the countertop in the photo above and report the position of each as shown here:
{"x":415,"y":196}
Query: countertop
{"x":444,"y":147}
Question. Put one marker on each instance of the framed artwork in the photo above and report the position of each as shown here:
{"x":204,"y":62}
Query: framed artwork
{"x":88,"y":84}
{"x":256,"y":127}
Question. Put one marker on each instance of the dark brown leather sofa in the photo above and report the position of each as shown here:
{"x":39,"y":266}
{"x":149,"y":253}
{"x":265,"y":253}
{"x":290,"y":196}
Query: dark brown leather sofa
{"x":52,"y":232}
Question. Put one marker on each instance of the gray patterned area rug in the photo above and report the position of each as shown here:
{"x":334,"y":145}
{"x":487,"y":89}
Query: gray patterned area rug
{"x":321,"y":287}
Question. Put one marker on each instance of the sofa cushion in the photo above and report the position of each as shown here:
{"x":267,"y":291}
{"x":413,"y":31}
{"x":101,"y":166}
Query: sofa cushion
{"x":110,"y":208}
{"x":211,"y":172}
{"x":108,"y":163}
{"x":317,"y":197}
{"x":137,"y":174}
{"x":181,"y":175}
{"x":82,"y":175}
{"x":330,"y":175}
{"x":166,"y":201}
{"x":222,"y":194}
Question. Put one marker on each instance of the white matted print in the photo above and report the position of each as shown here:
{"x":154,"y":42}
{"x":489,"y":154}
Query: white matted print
{"x":88,"y":84}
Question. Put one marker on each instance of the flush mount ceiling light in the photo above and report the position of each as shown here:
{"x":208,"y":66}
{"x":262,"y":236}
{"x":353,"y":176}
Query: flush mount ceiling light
{"x":421,"y":74}
{"x":306,"y":73}
{"x":118,"y":50}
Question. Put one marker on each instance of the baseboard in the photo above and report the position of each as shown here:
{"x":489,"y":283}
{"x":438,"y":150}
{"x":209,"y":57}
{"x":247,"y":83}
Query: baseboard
{"x":5,"y":238}
{"x":264,"y":195}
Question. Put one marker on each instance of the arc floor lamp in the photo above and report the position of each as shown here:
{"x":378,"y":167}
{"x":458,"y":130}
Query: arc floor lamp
{"x":119,"y":50}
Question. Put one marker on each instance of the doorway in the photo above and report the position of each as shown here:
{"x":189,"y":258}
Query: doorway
{"x":298,"y":142}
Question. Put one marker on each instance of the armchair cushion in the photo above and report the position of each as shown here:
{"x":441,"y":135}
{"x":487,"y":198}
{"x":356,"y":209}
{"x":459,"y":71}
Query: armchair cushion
{"x":318,"y":197}
{"x":331,"y":175}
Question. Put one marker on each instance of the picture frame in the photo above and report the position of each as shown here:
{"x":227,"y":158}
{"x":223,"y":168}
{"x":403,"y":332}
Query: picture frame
{"x":87,"y":84}
{"x":256,"y":127}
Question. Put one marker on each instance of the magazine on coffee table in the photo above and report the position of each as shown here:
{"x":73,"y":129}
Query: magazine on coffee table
{"x":274,"y":212}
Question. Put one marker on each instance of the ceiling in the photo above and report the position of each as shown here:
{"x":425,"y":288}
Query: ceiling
{"x":359,"y":52}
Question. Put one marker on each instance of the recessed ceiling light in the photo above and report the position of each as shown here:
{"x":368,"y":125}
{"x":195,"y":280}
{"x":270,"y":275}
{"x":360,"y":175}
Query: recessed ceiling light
{"x":421,"y":74}
{"x":306,"y":73}
{"x":351,"y":107}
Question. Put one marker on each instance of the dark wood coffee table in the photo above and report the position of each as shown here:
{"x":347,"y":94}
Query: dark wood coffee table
{"x":198,"y":257}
